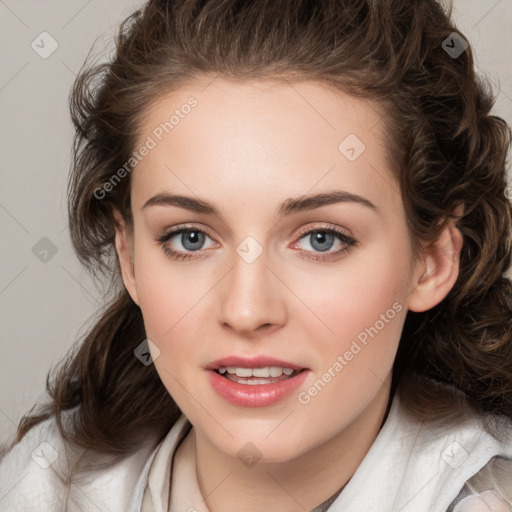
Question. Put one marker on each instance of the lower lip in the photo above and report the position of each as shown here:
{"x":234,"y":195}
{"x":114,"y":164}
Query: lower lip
{"x":258,"y":395}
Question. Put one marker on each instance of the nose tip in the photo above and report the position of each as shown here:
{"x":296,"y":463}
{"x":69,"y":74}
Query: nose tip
{"x":249,"y":324}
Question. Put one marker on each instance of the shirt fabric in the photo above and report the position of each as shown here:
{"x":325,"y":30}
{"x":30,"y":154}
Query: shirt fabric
{"x":412,"y":466}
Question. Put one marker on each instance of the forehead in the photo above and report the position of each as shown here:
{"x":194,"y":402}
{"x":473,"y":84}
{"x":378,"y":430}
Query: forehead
{"x":268,"y":104}
{"x":262,"y":138}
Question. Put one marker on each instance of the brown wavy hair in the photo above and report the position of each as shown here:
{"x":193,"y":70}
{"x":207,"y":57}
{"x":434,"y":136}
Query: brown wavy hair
{"x":443,"y":144}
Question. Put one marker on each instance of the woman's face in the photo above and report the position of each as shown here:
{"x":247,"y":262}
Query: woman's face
{"x":264,"y":276}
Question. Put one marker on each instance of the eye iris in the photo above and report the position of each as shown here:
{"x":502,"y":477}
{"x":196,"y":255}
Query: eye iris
{"x":196,"y":240}
{"x":321,"y":236}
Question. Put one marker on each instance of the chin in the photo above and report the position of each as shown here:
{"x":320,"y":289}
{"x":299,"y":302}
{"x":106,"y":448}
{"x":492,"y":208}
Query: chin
{"x":257,"y":448}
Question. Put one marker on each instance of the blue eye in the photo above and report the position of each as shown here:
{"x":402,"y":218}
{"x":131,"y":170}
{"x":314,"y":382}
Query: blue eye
{"x":321,"y":241}
{"x":191,"y":239}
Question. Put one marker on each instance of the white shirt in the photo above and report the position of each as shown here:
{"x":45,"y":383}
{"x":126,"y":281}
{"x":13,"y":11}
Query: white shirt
{"x":410,"y":467}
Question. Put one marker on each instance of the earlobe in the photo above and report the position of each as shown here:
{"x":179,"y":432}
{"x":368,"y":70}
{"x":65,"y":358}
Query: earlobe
{"x":123,"y":245}
{"x":439,"y":270}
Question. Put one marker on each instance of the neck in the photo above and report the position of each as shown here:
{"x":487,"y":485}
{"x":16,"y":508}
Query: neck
{"x":296,"y":485}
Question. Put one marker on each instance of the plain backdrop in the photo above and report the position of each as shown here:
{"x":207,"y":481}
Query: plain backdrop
{"x":45,"y":295}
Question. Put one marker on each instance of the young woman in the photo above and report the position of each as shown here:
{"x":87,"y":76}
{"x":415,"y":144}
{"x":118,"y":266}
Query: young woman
{"x":302,"y":210}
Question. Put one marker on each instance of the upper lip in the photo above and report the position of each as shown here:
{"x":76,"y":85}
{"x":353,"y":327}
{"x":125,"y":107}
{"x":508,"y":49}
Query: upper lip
{"x":260,"y":361}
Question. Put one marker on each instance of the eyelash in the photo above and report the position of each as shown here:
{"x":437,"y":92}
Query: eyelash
{"x":349,"y":242}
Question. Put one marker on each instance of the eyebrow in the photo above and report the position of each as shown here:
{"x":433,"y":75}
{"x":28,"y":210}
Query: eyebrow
{"x":287,"y":207}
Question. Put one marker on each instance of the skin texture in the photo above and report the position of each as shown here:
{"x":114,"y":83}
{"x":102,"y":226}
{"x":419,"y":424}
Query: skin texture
{"x":246,"y":147}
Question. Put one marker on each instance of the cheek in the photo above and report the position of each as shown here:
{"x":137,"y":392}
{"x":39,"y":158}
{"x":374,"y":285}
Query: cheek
{"x":170,"y":305}
{"x":175,"y":300}
{"x":167,"y":291}
{"x":363,"y":304}
{"x":356,"y":293}
{"x":162,"y":303}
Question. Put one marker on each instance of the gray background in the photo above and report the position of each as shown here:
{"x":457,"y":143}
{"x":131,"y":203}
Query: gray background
{"x":44,"y":305}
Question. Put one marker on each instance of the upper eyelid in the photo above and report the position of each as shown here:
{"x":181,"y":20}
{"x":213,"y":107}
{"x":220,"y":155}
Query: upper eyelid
{"x":176,"y":230}
{"x":326,"y":227}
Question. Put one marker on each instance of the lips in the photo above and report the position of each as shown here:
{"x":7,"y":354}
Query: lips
{"x":258,"y":395}
{"x":253,"y":391}
{"x":260,"y":361}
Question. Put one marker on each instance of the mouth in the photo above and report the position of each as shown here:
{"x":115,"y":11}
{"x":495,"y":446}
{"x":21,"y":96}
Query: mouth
{"x":255,"y":376}
{"x":255,"y":370}
{"x":255,"y":382}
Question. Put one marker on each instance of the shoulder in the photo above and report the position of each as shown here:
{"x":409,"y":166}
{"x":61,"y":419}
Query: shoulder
{"x":483,"y":453}
{"x":488,"y":489}
{"x":466,"y":456}
{"x":27,"y":469}
{"x":454,"y":421}
{"x":44,"y":472}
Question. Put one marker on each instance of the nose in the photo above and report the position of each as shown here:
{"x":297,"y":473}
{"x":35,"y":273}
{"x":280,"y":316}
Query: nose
{"x":252,"y":298}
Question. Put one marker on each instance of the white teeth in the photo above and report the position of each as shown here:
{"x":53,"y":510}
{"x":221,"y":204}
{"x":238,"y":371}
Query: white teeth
{"x":276,"y":371}
{"x":261,"y":372}
{"x":267,"y":371}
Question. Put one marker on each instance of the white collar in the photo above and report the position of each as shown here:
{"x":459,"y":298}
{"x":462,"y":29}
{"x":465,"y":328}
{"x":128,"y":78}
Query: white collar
{"x":156,"y":494}
{"x":415,"y":466}
{"x":412,"y":466}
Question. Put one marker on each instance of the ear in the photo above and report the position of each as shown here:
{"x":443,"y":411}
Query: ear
{"x":124,"y":250}
{"x":439,"y":268}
